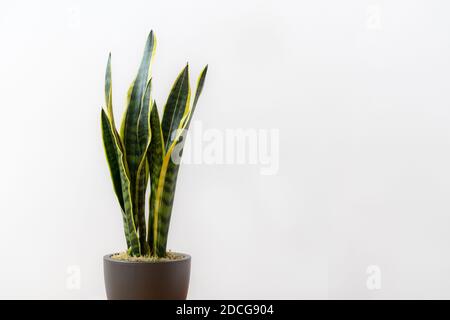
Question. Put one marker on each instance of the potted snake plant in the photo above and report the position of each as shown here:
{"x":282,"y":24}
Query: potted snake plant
{"x":145,"y":153}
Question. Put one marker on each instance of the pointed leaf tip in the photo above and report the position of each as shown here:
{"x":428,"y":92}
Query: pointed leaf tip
{"x":151,"y":36}
{"x":205,"y":69}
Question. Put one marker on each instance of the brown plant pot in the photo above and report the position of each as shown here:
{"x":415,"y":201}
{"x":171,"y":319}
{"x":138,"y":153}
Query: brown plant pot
{"x":126,"y":280}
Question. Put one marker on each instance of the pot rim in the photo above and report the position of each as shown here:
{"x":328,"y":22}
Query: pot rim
{"x":184,"y":258}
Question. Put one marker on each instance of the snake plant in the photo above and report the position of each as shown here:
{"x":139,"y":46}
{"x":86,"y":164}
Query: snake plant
{"x":140,"y":154}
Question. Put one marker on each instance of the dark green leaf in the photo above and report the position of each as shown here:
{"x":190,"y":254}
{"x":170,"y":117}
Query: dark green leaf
{"x":176,"y":107}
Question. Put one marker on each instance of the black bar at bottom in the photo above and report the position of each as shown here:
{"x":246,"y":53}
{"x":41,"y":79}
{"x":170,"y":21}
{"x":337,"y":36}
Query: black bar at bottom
{"x":226,"y":309}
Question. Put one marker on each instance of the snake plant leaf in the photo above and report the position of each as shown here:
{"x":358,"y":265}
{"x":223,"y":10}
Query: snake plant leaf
{"x":122,"y":125}
{"x":115,"y":160}
{"x":112,"y":159}
{"x":200,"y":83}
{"x":130,"y":120}
{"x":144,"y":137}
{"x":198,"y":92}
{"x":108,"y":101}
{"x":127,"y":196}
{"x":144,"y":133}
{"x":177,"y":106}
{"x":108,"y":90}
{"x":163,"y":203}
{"x":155,"y":155}
{"x":141,"y":187}
{"x":165,"y":192}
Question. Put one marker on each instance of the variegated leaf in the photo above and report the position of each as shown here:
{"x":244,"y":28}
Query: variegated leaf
{"x":116,"y":163}
{"x":155,"y":157}
{"x":176,"y":107}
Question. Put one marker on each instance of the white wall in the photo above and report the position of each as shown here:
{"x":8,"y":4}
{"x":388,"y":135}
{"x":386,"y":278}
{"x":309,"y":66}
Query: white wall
{"x":359,"y":91}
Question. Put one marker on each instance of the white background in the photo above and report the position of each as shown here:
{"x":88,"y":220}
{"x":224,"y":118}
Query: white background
{"x":358,"y":89}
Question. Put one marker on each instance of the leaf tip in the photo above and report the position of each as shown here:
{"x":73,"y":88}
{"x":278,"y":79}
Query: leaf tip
{"x":151,"y":37}
{"x":103,"y":118}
